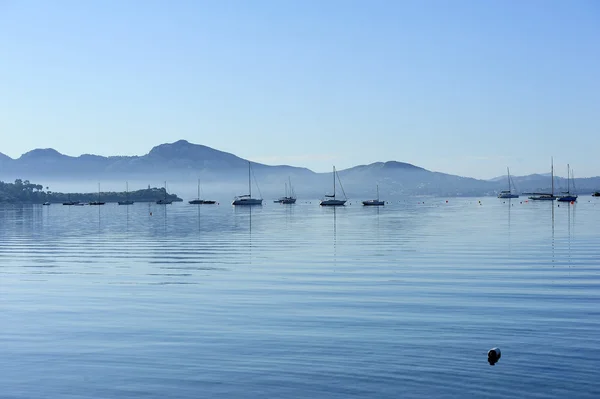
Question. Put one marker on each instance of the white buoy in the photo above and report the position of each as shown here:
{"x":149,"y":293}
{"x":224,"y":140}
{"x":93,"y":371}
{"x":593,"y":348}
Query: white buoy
{"x":494,"y":355}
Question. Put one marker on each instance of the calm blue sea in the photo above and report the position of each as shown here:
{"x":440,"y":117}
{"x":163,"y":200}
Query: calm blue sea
{"x":185,"y":301}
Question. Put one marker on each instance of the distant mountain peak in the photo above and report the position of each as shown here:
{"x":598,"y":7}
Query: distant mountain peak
{"x":42,"y":153}
{"x":4,"y":157}
{"x":400,"y":165}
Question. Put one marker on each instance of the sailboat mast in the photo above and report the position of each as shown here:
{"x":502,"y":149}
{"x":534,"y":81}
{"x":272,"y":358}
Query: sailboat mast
{"x":508,"y":174}
{"x":127,"y":190}
{"x":378,"y":192}
{"x":568,"y":175}
{"x":552,"y":173}
{"x":334,"y":182}
{"x":249,"y":182}
{"x":198,"y":188}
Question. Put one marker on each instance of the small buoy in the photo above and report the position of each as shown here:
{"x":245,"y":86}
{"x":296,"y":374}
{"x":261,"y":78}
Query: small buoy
{"x":150,"y":213}
{"x":446,"y":201}
{"x":494,"y":355}
{"x":572,"y":202}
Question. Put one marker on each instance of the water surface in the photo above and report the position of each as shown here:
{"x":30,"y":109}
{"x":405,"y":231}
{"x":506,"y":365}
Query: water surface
{"x":185,"y":301}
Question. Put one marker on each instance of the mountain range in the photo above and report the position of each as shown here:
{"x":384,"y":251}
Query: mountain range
{"x":183,"y":161}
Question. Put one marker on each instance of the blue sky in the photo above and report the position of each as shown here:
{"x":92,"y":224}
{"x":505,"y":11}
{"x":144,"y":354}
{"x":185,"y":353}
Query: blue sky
{"x":461,"y":87}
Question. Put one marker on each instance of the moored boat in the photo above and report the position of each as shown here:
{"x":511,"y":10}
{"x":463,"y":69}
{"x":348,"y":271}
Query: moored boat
{"x":164,"y":201}
{"x":247,"y":199}
{"x":331,"y":200}
{"x":127,"y":200}
{"x":546,"y":196}
{"x":289,"y":198}
{"x":374,"y":202}
{"x":507,"y":193}
{"x":568,"y":196}
{"x":199,"y":201}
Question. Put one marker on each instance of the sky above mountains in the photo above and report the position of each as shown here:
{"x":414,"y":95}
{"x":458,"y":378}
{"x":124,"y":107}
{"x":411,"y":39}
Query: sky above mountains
{"x":466,"y":88}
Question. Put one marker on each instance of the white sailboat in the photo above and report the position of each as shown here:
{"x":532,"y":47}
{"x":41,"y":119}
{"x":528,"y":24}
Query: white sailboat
{"x":374,"y":202}
{"x":247,"y":198}
{"x":508,"y":193}
{"x":127,"y":200}
{"x":331,"y":200}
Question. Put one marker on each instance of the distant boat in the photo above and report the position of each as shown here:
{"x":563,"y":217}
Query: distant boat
{"x":199,"y":201}
{"x":247,"y":198}
{"x":290,"y":197}
{"x":374,"y":202}
{"x":46,"y":203}
{"x":596,"y":194}
{"x":69,"y":202}
{"x":127,"y":200}
{"x":164,"y":201}
{"x":507,"y":193}
{"x":546,"y":196}
{"x":98,"y":202}
{"x":568,"y":197}
{"x":331,"y":200}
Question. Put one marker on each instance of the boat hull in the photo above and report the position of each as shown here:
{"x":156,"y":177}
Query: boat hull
{"x":201,"y":202}
{"x":333,"y":202}
{"x":507,"y":196}
{"x":287,"y":200}
{"x":373,"y":203}
{"x":543,"y":198}
{"x":247,"y":201}
{"x":97,"y":203}
{"x":125,"y":202}
{"x":567,"y":198}
{"x":164,"y":202}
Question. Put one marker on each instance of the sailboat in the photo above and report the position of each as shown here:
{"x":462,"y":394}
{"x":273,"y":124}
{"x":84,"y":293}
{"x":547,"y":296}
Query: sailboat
{"x":127,"y":200}
{"x":330,"y":200}
{"x":568,"y":197}
{"x":199,"y":201}
{"x":97,"y":202}
{"x":247,"y":198}
{"x":546,"y":196}
{"x":69,"y":202}
{"x":290,"y":197}
{"x":374,"y":202}
{"x":507,"y":193}
{"x":164,"y":201}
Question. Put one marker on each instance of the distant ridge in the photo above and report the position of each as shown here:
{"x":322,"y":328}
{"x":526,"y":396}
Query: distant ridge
{"x":186,"y":162}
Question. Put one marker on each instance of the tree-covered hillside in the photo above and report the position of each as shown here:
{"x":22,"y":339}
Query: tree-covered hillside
{"x":23,"y":191}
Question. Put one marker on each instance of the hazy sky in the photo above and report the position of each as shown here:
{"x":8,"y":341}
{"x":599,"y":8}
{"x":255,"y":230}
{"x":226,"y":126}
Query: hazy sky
{"x":455,"y":86}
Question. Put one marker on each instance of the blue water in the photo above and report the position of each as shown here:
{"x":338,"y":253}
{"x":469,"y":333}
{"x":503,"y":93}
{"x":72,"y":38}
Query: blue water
{"x":182,"y":301}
